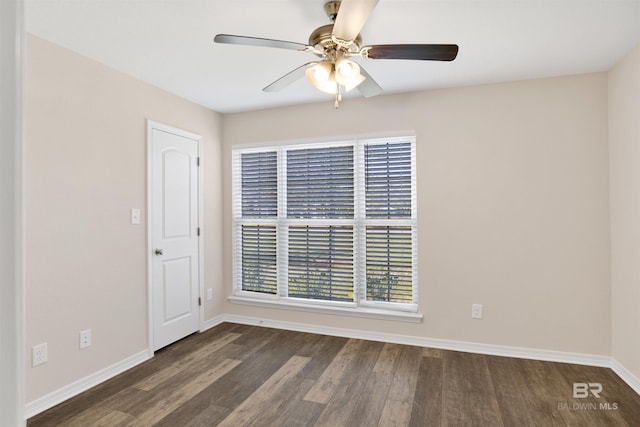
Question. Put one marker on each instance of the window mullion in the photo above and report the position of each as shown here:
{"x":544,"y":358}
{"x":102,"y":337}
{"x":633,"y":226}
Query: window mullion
{"x":359,"y":229}
{"x":283,"y":226}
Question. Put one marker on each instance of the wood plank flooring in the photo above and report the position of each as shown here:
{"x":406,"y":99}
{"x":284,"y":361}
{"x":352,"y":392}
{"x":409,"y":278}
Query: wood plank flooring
{"x":238,"y":375}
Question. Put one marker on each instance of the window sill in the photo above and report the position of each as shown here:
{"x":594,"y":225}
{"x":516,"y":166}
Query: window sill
{"x":374,"y":313}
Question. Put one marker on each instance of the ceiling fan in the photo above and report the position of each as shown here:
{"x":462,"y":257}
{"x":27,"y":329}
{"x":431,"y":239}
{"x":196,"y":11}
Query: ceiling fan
{"x":335,"y":44}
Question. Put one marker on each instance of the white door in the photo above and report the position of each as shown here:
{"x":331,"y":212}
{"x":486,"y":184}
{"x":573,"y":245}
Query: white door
{"x":174,"y":230}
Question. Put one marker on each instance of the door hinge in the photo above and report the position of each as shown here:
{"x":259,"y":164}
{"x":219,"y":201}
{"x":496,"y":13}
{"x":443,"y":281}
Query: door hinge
{"x":199,"y":301}
{"x":198,"y":231}
{"x":198,"y":161}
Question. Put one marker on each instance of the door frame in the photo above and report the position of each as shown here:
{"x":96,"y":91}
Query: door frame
{"x":198,"y":138}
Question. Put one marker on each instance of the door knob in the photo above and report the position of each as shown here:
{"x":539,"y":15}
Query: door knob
{"x":158,"y":251}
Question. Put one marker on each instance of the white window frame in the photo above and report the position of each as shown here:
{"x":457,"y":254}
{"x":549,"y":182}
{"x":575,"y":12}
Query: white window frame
{"x":360,"y":307}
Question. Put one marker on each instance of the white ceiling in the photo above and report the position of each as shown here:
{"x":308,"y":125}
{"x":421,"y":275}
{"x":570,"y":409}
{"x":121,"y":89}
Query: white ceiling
{"x":169,"y":43}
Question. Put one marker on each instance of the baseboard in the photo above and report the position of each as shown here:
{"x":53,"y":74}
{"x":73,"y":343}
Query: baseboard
{"x":626,"y":375}
{"x":75,"y":388}
{"x":208,"y":324}
{"x":469,"y":347}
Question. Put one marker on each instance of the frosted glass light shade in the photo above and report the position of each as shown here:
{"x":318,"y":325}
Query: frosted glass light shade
{"x":322,"y":77}
{"x":348,"y":74}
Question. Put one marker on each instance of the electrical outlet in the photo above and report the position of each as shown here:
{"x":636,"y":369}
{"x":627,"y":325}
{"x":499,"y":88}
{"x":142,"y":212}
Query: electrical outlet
{"x":85,"y":338}
{"x":39,"y":354}
{"x":476,"y":311}
{"x":209,"y":294}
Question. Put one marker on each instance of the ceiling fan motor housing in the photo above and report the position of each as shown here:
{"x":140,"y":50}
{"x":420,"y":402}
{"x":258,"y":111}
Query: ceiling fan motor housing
{"x":321,"y":36}
{"x":331,"y":8}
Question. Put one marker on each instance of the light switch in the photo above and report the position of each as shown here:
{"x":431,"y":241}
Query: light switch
{"x":135,"y":216}
{"x":476,"y":311}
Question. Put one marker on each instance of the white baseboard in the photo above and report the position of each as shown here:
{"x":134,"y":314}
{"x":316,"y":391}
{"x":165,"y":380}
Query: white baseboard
{"x":626,"y":375}
{"x":75,"y":388}
{"x":215,"y":321}
{"x":469,"y":347}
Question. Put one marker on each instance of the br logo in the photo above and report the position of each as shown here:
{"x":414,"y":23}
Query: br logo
{"x":582,"y":390}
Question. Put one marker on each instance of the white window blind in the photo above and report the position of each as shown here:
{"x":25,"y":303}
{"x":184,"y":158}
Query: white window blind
{"x":327,"y":224}
{"x":389,"y":264}
{"x":259,"y":262}
{"x":259,"y":185}
{"x":320,"y":183}
{"x":388,"y":180}
{"x":321,"y":262}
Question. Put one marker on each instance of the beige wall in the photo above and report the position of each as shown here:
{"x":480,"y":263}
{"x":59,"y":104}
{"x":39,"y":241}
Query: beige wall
{"x":624,"y":140}
{"x":86,"y":168}
{"x":513,"y":207}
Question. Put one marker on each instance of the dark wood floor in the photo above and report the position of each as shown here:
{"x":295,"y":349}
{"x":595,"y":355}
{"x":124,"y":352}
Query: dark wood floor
{"x":237,"y":375}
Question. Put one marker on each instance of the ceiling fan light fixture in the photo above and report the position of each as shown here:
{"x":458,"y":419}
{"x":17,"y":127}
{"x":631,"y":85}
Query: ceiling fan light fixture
{"x":322,"y":72}
{"x":348,"y":74}
{"x":346,"y":68}
{"x":322,"y":77}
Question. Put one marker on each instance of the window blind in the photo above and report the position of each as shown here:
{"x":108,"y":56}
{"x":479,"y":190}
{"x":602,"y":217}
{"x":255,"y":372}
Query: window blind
{"x":320,"y":183}
{"x":259,"y":268}
{"x":389,"y":264}
{"x":388,"y":180}
{"x":259,"y":184}
{"x":321,"y":262}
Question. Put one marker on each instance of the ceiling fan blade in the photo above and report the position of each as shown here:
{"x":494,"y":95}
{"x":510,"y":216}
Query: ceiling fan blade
{"x":423,"y":52}
{"x":288,"y":78}
{"x":352,"y":16}
{"x":257,"y":41}
{"x":368,"y":87}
